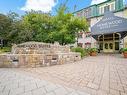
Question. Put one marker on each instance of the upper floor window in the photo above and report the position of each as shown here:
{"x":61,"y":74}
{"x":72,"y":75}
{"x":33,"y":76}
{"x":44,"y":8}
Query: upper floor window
{"x":81,"y":13}
{"x":78,"y":14}
{"x":79,"y":35}
{"x":88,"y":35}
{"x":87,"y":12}
{"x":112,"y":7}
{"x":101,"y":10}
{"x":80,"y":44}
{"x":106,"y":8}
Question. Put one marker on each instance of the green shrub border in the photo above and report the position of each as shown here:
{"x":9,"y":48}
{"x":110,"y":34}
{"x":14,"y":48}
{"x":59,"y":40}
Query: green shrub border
{"x":84,"y":52}
{"x":123,"y":50}
{"x":5,"y":49}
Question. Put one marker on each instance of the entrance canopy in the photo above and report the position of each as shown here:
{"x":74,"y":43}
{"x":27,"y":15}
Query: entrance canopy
{"x":110,"y":24}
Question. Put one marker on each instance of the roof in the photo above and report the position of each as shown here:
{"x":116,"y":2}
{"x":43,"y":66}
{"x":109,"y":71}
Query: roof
{"x":109,"y":24}
{"x":93,"y":5}
{"x":97,"y":1}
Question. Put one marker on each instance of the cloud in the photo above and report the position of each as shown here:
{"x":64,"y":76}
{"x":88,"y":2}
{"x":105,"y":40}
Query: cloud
{"x":97,"y":1}
{"x":39,"y":5}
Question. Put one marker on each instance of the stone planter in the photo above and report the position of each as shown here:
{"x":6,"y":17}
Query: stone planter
{"x":93,"y":54}
{"x":125,"y":54}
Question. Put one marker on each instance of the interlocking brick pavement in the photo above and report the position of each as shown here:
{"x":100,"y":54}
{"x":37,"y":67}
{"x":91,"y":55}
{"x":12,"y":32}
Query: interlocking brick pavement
{"x":100,"y":75}
{"x":22,"y":83}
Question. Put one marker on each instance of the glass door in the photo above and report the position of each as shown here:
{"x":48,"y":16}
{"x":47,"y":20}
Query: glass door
{"x":111,"y":47}
{"x":108,"y":47}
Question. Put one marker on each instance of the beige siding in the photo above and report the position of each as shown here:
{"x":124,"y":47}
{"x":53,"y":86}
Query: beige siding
{"x":125,"y":42}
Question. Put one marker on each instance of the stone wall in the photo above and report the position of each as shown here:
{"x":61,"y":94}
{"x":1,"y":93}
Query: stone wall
{"x":37,"y":60}
{"x":36,"y":54}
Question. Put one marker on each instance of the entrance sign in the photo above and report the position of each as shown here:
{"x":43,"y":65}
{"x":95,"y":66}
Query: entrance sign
{"x":109,"y":24}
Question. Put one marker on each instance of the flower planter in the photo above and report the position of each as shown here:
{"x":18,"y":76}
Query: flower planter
{"x":124,"y":50}
{"x":125,"y":54}
{"x":93,"y":54}
{"x":93,"y":51}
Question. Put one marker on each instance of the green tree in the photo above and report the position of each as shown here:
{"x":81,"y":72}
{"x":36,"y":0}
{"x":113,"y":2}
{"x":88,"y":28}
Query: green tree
{"x":62,"y":27}
{"x":67,"y":26}
{"x":15,"y":27}
{"x":5,"y":24}
{"x":38,"y":26}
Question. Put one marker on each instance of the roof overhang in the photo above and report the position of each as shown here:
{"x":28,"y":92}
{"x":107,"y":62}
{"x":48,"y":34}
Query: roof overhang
{"x":110,"y":24}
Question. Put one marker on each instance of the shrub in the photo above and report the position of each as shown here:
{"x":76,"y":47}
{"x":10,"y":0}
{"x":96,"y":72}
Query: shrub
{"x":5,"y":49}
{"x":80,"y":50}
{"x":124,"y":50}
{"x":93,"y":50}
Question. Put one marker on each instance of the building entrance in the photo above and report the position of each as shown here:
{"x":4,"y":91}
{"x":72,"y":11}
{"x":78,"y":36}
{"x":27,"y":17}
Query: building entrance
{"x":108,"y":46}
{"x":109,"y":43}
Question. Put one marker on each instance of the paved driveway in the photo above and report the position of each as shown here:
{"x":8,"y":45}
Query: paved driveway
{"x":100,"y":75}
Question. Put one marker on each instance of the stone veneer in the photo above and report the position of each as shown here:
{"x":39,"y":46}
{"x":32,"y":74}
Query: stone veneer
{"x":36,"y":54}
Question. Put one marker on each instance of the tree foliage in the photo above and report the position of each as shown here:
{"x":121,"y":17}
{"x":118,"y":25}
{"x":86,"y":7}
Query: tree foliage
{"x":38,"y":26}
{"x":5,"y":24}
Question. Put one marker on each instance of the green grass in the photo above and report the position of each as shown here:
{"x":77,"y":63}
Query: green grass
{"x":5,"y":49}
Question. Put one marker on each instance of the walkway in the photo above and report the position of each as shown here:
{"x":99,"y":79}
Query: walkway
{"x":15,"y":83}
{"x":100,"y":75}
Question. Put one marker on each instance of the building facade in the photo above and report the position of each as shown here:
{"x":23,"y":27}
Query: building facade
{"x":86,"y":40}
{"x":107,"y":39}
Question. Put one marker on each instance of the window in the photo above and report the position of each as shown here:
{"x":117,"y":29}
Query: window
{"x":80,"y":44}
{"x":112,"y":7}
{"x":106,"y":46}
{"x":87,"y":45}
{"x":106,"y":8}
{"x":78,"y":14}
{"x":86,"y":13}
{"x":101,"y":10}
{"x":111,"y":45}
{"x":101,"y":46}
{"x":81,"y":13}
{"x":125,"y":44}
{"x":116,"y":45}
{"x":80,"y":35}
{"x":89,"y":12}
{"x":88,"y":35}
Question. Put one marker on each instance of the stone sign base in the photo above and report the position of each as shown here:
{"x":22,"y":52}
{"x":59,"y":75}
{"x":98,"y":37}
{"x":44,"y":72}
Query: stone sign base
{"x":37,"y":60}
{"x":34,"y":54}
